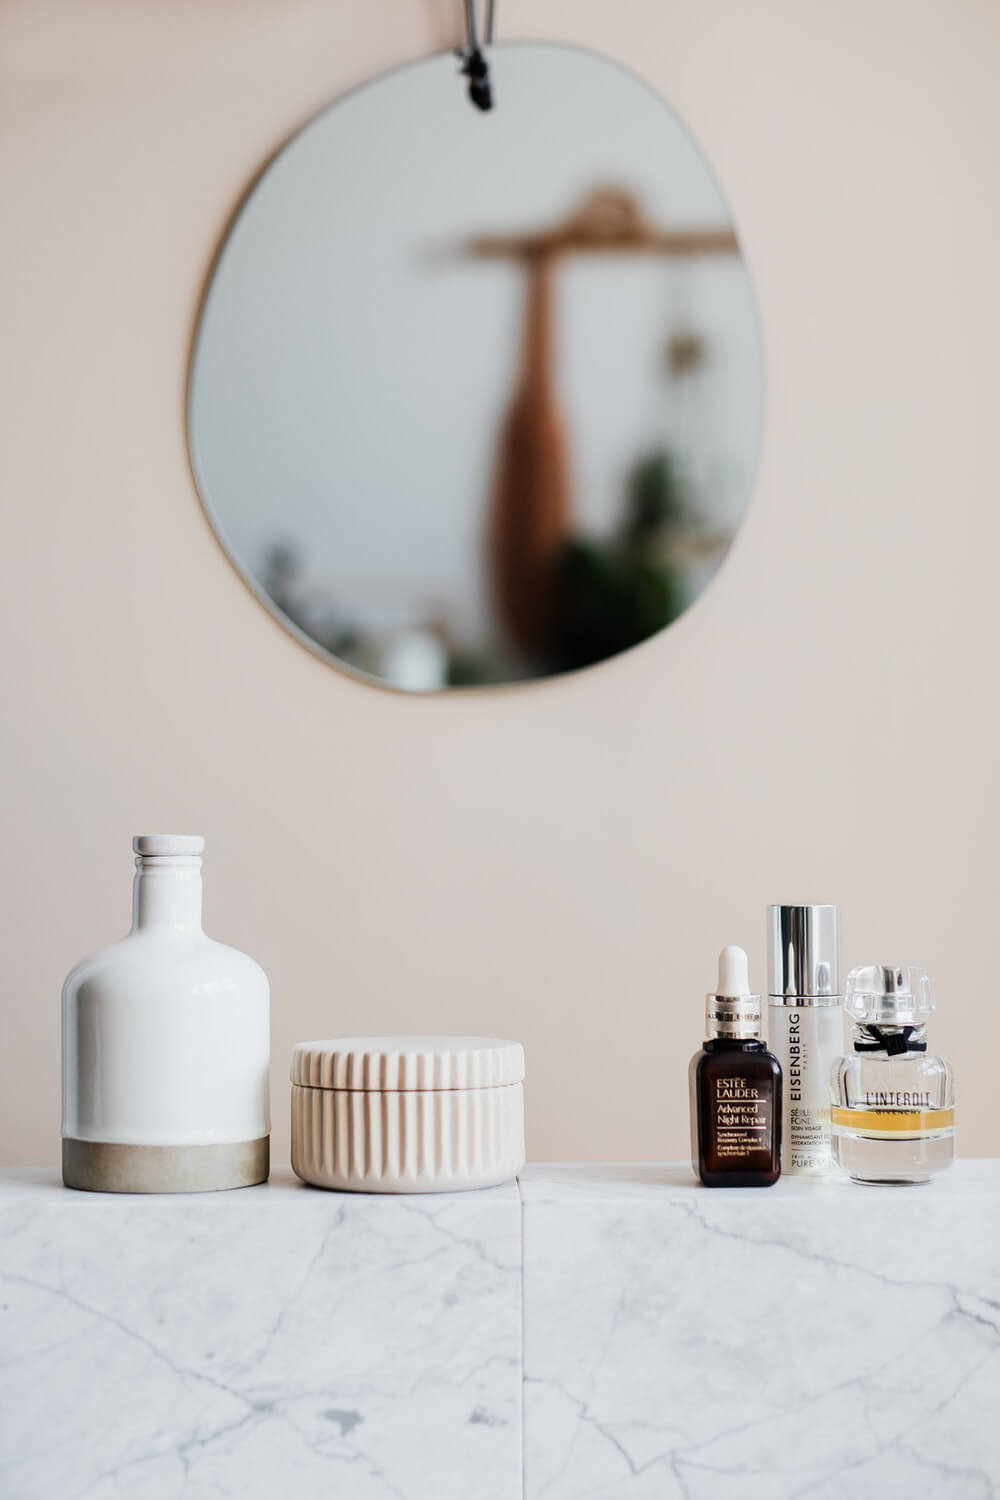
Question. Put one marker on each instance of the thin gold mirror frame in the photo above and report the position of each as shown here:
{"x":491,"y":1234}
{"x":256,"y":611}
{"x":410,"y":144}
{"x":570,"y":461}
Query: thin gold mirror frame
{"x":540,"y":389}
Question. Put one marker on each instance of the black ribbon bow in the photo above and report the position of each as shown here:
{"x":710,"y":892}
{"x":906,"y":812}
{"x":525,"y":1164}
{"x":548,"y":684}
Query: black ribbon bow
{"x":892,"y":1042}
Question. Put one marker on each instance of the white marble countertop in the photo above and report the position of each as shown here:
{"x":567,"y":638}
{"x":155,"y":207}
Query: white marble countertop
{"x":274,"y":1342}
{"x":771,"y":1343}
{"x":655,"y":1180}
{"x":563,"y":1180}
{"x":39,"y":1185}
{"x":592,"y":1331}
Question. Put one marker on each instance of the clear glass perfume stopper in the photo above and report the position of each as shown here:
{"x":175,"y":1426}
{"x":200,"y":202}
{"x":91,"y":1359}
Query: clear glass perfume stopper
{"x":889,"y":995}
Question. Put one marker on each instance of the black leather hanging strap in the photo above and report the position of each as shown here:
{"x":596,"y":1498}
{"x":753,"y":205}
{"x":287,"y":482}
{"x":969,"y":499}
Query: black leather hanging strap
{"x":474,"y":65}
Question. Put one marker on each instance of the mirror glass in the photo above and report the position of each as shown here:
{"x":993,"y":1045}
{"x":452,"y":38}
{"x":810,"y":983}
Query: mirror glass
{"x":476,"y":396}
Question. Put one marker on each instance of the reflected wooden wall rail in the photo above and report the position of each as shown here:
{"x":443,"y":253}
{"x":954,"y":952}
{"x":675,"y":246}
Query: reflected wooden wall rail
{"x":531,"y":505}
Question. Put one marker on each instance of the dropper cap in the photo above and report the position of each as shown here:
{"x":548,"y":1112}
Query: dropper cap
{"x":731,"y":1010}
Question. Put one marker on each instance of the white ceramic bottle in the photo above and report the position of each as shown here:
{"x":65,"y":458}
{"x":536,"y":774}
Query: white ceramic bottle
{"x":166,"y":1045}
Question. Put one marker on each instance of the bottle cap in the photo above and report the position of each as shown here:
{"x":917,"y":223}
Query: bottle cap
{"x":803,"y":955}
{"x":887,"y":996}
{"x":405,"y":1064}
{"x":167,"y":845}
{"x":731,"y":1010}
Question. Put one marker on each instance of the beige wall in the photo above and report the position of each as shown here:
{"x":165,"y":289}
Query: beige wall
{"x":558,"y":863}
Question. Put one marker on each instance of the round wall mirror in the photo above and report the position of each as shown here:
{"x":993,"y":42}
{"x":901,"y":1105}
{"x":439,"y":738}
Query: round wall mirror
{"x":476,"y":396}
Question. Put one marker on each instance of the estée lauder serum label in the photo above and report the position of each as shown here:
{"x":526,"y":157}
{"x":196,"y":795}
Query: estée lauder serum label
{"x":741,"y":1117}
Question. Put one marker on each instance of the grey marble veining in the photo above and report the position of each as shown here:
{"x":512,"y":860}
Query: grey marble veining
{"x":808,"y":1340}
{"x":804,"y":1340}
{"x":273,"y":1342}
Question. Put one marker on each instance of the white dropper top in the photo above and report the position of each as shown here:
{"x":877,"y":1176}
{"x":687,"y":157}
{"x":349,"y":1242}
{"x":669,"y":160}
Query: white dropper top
{"x":732,"y":1010}
{"x":734,"y":973}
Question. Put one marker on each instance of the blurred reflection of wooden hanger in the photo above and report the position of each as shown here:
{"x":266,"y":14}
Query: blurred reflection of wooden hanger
{"x":608,"y":220}
{"x":531,"y":508}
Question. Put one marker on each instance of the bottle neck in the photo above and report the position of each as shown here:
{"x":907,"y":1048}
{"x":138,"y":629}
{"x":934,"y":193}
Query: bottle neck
{"x":733,"y":1044}
{"x":166,"y":893}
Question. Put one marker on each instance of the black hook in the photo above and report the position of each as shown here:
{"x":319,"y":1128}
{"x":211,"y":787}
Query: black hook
{"x":474,"y":65}
{"x":477,"y":70}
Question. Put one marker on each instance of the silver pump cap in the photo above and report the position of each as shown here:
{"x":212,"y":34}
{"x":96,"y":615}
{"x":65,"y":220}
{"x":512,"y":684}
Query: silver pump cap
{"x":803,"y":955}
{"x":885,"y":995}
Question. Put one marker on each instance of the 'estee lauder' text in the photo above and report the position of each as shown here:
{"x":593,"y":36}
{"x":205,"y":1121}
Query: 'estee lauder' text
{"x":735,"y":1088}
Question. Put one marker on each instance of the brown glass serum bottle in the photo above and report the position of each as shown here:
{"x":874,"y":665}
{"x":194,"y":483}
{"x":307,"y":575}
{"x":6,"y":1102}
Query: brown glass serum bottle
{"x":735,"y":1088}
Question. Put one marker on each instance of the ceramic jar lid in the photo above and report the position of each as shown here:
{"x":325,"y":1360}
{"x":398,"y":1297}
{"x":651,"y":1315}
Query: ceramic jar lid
{"x":407,"y":1114}
{"x":405,"y":1064}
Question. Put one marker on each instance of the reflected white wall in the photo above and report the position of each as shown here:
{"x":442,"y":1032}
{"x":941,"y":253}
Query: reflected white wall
{"x":352,"y":370}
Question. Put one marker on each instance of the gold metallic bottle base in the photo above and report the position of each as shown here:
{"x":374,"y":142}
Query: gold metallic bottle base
{"x":109,"y":1167}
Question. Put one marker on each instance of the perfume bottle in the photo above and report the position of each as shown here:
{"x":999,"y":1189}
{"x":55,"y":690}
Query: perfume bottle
{"x":892,"y":1102}
{"x":805,"y":1028}
{"x":735,"y":1088}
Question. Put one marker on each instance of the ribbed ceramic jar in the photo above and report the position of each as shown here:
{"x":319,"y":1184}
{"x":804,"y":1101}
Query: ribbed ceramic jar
{"x":407,"y":1114}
